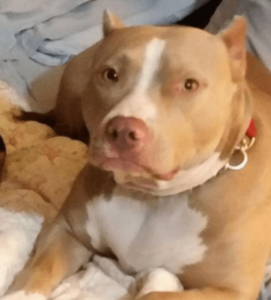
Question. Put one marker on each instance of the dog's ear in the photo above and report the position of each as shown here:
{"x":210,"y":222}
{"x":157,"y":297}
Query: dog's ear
{"x":234,"y":37}
{"x":111,"y":22}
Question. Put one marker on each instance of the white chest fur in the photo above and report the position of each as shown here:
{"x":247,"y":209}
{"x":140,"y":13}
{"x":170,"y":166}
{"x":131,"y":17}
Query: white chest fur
{"x":147,"y":233}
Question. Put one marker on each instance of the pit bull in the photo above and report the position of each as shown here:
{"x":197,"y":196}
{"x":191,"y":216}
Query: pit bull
{"x":179,"y":172}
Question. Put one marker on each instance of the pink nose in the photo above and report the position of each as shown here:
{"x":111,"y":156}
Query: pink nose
{"x":126,"y":133}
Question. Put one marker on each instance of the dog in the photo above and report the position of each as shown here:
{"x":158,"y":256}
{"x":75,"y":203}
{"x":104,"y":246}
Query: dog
{"x":179,"y":172}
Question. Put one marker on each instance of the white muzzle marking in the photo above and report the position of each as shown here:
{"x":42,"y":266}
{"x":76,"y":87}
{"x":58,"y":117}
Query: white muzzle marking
{"x":139,"y":104}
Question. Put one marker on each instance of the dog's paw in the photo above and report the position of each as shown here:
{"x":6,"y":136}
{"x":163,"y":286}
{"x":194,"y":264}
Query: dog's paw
{"x":22,"y":295}
{"x":159,"y":280}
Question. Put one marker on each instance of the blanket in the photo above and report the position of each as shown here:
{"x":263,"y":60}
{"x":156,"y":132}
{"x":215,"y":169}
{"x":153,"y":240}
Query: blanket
{"x":38,"y":35}
{"x":257,"y":14}
{"x":38,"y":174}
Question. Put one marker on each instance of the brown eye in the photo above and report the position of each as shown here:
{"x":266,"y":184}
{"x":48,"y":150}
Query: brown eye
{"x":191,"y":84}
{"x":111,"y":75}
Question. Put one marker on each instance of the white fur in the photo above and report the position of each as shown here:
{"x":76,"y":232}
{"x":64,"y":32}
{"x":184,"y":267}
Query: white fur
{"x":151,"y":63}
{"x":93,"y":227}
{"x":21,"y":295}
{"x":103,"y":279}
{"x":147,"y":232}
{"x":18,"y":232}
{"x":159,"y":280}
{"x":187,"y":179}
{"x":138,"y":104}
{"x":90,"y":284}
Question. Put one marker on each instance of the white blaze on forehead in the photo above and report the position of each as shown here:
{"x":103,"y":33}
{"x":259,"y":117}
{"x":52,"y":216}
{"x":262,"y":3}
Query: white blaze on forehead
{"x":151,"y":63}
{"x":138,"y":103}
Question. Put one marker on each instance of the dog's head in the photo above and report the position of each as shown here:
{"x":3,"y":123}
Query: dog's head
{"x":164,"y":105}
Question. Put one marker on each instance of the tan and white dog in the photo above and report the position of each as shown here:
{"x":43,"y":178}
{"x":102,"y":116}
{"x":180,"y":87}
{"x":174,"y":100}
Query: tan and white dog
{"x":166,"y":109}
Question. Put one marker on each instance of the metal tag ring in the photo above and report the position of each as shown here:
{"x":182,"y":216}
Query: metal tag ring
{"x":241,"y":165}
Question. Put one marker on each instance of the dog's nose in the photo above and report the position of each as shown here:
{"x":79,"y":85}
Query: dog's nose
{"x":126,"y":133}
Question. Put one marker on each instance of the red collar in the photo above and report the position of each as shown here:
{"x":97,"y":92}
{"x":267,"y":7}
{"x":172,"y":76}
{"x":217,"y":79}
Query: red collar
{"x":251,"y":131}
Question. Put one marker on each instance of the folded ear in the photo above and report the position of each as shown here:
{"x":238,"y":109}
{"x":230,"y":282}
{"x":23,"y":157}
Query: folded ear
{"x":111,"y":22}
{"x":234,"y":37}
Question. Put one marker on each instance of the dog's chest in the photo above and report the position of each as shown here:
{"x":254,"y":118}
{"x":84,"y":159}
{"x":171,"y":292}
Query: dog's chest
{"x":147,"y":233}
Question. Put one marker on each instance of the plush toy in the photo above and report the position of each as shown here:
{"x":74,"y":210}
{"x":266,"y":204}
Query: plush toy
{"x":37,"y":175}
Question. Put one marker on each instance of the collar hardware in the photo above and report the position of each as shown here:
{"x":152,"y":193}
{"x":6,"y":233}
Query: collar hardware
{"x":244,"y":146}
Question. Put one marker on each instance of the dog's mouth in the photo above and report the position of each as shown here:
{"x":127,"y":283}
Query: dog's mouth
{"x":144,"y":175}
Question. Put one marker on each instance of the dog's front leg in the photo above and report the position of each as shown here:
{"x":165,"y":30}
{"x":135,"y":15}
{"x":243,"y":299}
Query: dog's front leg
{"x":202,"y":294}
{"x":59,"y":255}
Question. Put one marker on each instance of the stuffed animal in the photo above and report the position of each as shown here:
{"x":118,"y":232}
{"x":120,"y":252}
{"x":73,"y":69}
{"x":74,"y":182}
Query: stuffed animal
{"x":36,"y":177}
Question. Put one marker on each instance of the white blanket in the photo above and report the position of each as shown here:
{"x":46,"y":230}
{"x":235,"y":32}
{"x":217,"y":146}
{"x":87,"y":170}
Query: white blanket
{"x":103,"y":280}
{"x":100,"y":279}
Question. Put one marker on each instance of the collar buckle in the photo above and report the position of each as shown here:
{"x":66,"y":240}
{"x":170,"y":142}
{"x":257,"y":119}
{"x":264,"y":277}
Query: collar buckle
{"x":243,"y":147}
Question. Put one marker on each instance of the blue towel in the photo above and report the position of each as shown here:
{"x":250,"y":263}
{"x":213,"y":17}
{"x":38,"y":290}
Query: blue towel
{"x":38,"y":35}
{"x":258,"y":14}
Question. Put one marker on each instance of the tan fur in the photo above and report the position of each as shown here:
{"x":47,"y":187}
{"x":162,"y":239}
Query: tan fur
{"x":51,"y":264}
{"x":111,"y":22}
{"x":236,"y":204}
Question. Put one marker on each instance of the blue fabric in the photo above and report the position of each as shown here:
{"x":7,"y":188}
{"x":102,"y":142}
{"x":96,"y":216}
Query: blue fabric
{"x":37,"y":35}
{"x":258,"y":14}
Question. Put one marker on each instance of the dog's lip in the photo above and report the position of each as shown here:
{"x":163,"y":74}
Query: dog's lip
{"x":111,"y":164}
{"x":121,"y":164}
{"x":145,"y":186}
{"x":168,"y":176}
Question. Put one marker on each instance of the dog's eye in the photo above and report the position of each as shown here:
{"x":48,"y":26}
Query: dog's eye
{"x":111,"y":75}
{"x":191,"y":84}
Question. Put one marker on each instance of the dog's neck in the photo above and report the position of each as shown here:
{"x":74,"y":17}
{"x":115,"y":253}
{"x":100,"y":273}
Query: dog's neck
{"x":238,"y":122}
{"x":186,"y":180}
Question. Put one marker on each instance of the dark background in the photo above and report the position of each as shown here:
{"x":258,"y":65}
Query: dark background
{"x":200,"y":18}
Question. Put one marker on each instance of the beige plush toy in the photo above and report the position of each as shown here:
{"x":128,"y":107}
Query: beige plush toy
{"x":38,"y":173}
